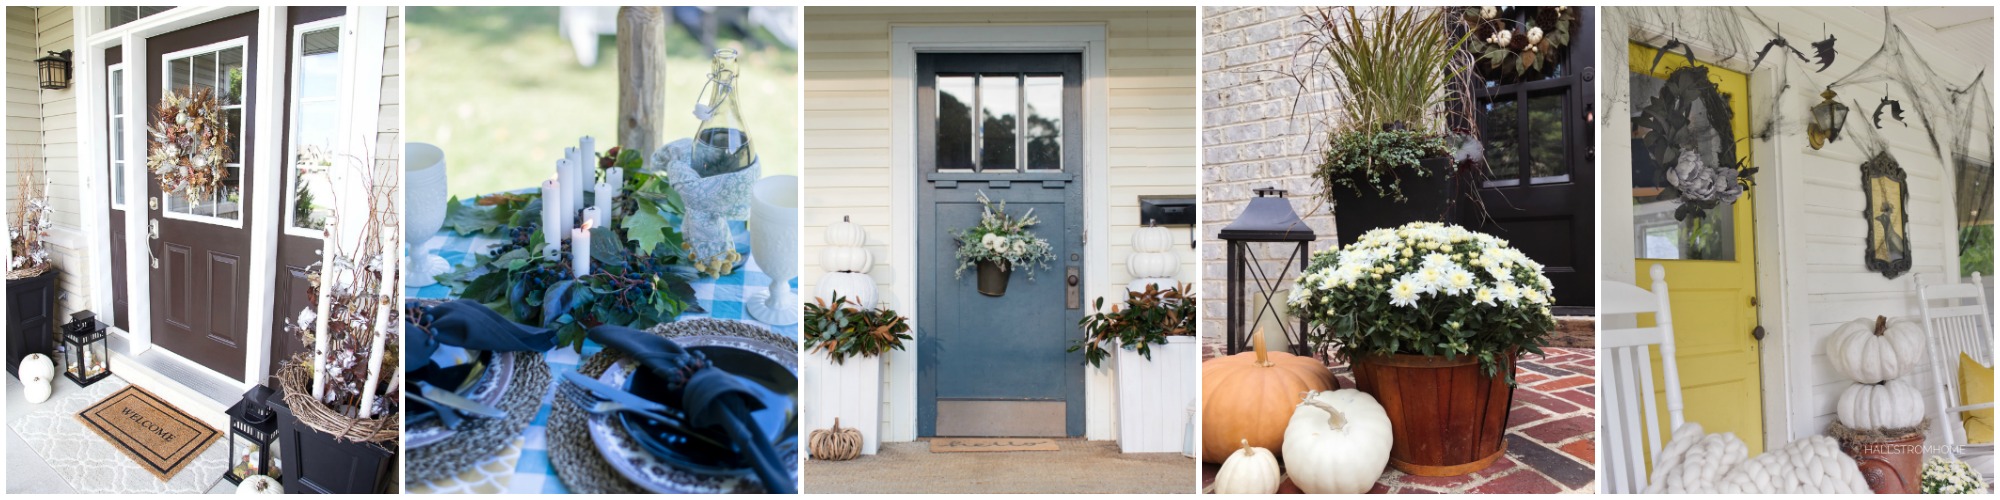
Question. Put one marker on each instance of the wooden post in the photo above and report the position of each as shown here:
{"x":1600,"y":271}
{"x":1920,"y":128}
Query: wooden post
{"x":642,"y":64}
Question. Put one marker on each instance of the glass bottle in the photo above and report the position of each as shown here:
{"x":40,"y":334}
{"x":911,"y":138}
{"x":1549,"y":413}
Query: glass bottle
{"x":721,"y":145}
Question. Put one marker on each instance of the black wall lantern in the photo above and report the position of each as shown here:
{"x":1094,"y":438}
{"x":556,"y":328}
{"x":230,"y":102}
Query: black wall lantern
{"x":253,"y":437}
{"x":86,"y":359}
{"x":1828,"y":117}
{"x":1268,"y":218}
{"x":55,"y":70}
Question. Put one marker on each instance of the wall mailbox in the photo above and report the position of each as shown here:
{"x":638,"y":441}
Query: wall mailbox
{"x":1168,"y":210}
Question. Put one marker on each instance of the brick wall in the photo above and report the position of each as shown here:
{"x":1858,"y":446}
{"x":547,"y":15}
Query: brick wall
{"x":1259,"y":130}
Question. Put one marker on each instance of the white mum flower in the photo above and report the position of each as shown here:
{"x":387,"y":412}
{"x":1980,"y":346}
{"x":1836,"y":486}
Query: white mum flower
{"x":1508,"y":292}
{"x":1403,"y":293}
{"x":1484,"y":296}
{"x":1457,"y":281}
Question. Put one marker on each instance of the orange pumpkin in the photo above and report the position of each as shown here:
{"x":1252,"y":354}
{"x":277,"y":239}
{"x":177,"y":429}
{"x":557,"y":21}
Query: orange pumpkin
{"x":1251,"y":395}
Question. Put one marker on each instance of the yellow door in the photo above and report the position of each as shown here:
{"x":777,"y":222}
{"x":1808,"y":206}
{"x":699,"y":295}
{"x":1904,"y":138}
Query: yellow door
{"x":1711,"y":270}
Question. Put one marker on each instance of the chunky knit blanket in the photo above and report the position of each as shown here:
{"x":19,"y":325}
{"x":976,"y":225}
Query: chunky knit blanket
{"x":1697,"y":462}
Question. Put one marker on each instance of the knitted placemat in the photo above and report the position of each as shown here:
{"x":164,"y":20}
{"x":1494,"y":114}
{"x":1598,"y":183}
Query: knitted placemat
{"x":571,"y":450}
{"x":479,"y":439}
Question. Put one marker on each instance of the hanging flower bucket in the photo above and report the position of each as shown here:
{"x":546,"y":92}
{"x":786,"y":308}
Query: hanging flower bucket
{"x":993,"y":278}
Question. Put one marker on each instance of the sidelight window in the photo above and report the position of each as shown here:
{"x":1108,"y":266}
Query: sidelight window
{"x":316,"y":70}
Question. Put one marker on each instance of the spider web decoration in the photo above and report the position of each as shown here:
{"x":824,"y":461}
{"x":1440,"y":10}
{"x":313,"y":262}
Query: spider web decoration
{"x":1955,"y":109}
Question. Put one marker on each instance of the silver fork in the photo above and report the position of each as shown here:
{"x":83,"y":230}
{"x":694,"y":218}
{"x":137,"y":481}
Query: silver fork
{"x":594,"y":405}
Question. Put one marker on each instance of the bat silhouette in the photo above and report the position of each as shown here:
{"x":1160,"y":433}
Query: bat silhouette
{"x":1669,"y":47}
{"x":1823,"y":49}
{"x":1895,"y":111}
{"x":1777,"y":42}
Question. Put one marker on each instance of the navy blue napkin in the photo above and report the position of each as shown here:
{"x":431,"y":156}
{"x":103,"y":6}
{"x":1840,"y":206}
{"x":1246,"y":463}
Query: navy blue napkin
{"x":713,"y":399}
{"x":461,"y":323}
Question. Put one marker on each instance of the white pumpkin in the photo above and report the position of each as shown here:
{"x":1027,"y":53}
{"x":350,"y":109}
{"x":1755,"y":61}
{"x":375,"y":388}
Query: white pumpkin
{"x":855,"y":288}
{"x":1870,"y":351}
{"x":1152,"y":239}
{"x":846,"y":234}
{"x":1888,"y":405}
{"x":1248,"y":471}
{"x":1153,"y":264}
{"x":1337,"y":442}
{"x":260,"y":485}
{"x":36,"y":373}
{"x":845,"y":259}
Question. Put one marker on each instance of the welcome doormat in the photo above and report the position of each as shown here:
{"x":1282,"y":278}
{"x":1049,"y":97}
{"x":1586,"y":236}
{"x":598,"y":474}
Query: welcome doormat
{"x":157,"y":435}
{"x":976,"y":445}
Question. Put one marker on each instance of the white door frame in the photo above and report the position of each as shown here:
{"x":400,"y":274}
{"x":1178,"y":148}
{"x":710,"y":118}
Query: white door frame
{"x":905,"y":42}
{"x":271,"y":85}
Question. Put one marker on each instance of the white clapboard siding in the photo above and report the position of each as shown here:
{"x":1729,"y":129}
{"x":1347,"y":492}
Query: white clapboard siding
{"x":1151,"y":84}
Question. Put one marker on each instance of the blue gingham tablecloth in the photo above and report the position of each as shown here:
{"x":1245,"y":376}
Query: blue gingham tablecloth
{"x":720,"y":298}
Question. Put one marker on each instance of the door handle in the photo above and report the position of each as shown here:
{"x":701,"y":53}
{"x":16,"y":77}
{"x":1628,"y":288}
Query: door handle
{"x":1071,"y":276}
{"x":152,"y":229}
{"x":1757,"y":333}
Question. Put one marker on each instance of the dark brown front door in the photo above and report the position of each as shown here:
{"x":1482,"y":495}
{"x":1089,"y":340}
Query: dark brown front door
{"x":200,"y":284}
{"x":309,"y":118}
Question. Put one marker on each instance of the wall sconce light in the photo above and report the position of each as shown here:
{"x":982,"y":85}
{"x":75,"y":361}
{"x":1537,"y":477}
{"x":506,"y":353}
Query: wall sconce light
{"x":1827,"y":119}
{"x":55,"y":70}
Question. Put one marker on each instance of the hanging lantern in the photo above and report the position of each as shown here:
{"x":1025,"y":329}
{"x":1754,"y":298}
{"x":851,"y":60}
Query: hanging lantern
{"x":86,"y":360}
{"x":253,"y":437}
{"x":55,"y":70}
{"x":1268,"y":221}
{"x":1828,"y":117}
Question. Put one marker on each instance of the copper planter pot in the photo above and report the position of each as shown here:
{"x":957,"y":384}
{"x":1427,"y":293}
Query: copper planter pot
{"x":1448,"y":416}
{"x":1891,"y":466}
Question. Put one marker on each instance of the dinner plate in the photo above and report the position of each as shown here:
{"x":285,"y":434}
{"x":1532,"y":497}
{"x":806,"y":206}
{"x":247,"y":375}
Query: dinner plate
{"x":683,"y":469}
{"x":490,"y":388}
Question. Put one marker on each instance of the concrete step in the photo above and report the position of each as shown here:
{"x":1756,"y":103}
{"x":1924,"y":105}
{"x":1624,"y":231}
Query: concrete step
{"x":200,"y":392}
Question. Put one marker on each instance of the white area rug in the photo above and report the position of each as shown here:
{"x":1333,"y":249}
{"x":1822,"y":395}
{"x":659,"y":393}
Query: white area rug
{"x":90,"y":464}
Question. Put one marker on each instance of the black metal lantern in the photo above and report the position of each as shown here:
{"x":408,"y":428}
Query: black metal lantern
{"x":55,"y":70}
{"x":1828,"y":117}
{"x":1268,"y":218}
{"x":253,"y":437}
{"x":86,"y":357}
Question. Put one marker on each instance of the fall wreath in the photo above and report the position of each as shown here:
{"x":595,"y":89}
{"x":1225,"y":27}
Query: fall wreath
{"x":1518,"y":43}
{"x":189,"y":150}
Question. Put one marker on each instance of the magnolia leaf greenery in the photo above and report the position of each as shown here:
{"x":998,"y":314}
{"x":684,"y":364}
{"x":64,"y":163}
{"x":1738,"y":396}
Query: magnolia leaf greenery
{"x":1148,"y":318}
{"x":1002,"y":239}
{"x":844,"y":330}
{"x":1398,"y":77}
{"x":1519,"y":43}
{"x":1430,"y":289}
{"x":189,"y":144}
{"x":633,"y":280}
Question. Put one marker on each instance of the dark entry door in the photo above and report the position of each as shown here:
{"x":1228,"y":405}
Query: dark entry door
{"x":200,"y":286}
{"x":312,"y":115}
{"x":1008,"y":126}
{"x":120,"y":167}
{"x":1541,"y":193}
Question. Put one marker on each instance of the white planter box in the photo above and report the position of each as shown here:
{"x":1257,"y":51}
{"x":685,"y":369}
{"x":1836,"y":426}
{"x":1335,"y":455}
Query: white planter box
{"x":1153,"y":396}
{"x":851,"y":391}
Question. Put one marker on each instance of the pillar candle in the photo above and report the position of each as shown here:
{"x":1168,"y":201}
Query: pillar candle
{"x":584,"y":176}
{"x":579,"y":247}
{"x":552,"y":227}
{"x":616,"y":177}
{"x":603,"y":207}
{"x":566,"y":177}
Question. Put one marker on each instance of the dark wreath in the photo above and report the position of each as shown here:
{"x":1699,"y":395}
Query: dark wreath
{"x":1675,"y":132}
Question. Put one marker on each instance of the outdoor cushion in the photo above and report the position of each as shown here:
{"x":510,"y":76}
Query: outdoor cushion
{"x":1975,"y":385}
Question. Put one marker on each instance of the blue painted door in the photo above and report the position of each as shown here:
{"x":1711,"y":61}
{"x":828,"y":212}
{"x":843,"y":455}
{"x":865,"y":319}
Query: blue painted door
{"x":1008,"y":126}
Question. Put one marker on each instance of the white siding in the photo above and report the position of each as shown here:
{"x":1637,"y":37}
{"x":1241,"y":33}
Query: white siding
{"x":1813,"y":224}
{"x":1151,"y":71}
{"x":41,"y":124}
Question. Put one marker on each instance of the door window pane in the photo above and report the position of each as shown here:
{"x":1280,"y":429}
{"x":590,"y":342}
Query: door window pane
{"x":220,"y":71}
{"x":1044,"y":94}
{"x":117,"y":100}
{"x":954,"y":122}
{"x":1662,"y":229}
{"x":1544,"y":137}
{"x":1503,"y":149}
{"x":119,"y":16}
{"x":999,"y":107}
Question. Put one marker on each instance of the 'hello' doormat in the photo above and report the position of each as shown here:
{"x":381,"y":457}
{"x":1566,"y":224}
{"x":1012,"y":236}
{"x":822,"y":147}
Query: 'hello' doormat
{"x":974,"y":445}
{"x":159,"y":436}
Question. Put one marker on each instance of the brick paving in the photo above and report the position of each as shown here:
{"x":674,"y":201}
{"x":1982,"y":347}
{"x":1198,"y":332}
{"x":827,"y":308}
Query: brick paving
{"x":1551,"y":434}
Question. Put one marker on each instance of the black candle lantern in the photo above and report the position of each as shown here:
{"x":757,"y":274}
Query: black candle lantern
{"x":253,"y":437}
{"x":1828,"y":117}
{"x":1268,"y":219}
{"x":55,"y":70}
{"x":86,"y":359}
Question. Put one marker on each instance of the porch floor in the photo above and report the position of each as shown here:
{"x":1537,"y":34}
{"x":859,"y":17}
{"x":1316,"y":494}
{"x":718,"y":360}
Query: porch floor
{"x":1081,"y":467}
{"x":30,"y":472}
{"x":1551,"y":436}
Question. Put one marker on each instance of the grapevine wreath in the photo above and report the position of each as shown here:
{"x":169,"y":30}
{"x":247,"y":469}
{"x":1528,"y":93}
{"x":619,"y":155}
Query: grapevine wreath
{"x":190,"y":144}
{"x":1518,"y":43}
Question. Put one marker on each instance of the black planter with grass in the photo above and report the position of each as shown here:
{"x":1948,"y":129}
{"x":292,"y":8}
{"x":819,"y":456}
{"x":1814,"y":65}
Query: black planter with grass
{"x":1429,"y":198}
{"x":31,"y":311}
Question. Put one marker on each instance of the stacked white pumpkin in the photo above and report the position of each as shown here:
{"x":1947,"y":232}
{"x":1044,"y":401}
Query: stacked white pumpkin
{"x":1153,"y":260}
{"x":1879,"y":355}
{"x":846,"y":260}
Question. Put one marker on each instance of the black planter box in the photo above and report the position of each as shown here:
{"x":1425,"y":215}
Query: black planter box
{"x":317,"y":462}
{"x":31,"y":311}
{"x":1431,"y":198}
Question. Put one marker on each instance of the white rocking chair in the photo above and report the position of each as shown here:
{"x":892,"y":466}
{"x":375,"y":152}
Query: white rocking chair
{"x":1956,"y":321}
{"x":1626,"y":376}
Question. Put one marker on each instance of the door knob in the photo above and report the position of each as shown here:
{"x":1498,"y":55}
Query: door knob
{"x":1075,"y":295}
{"x":1757,"y":333}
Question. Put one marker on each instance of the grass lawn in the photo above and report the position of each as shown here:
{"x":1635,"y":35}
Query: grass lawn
{"x":502,"y":94}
